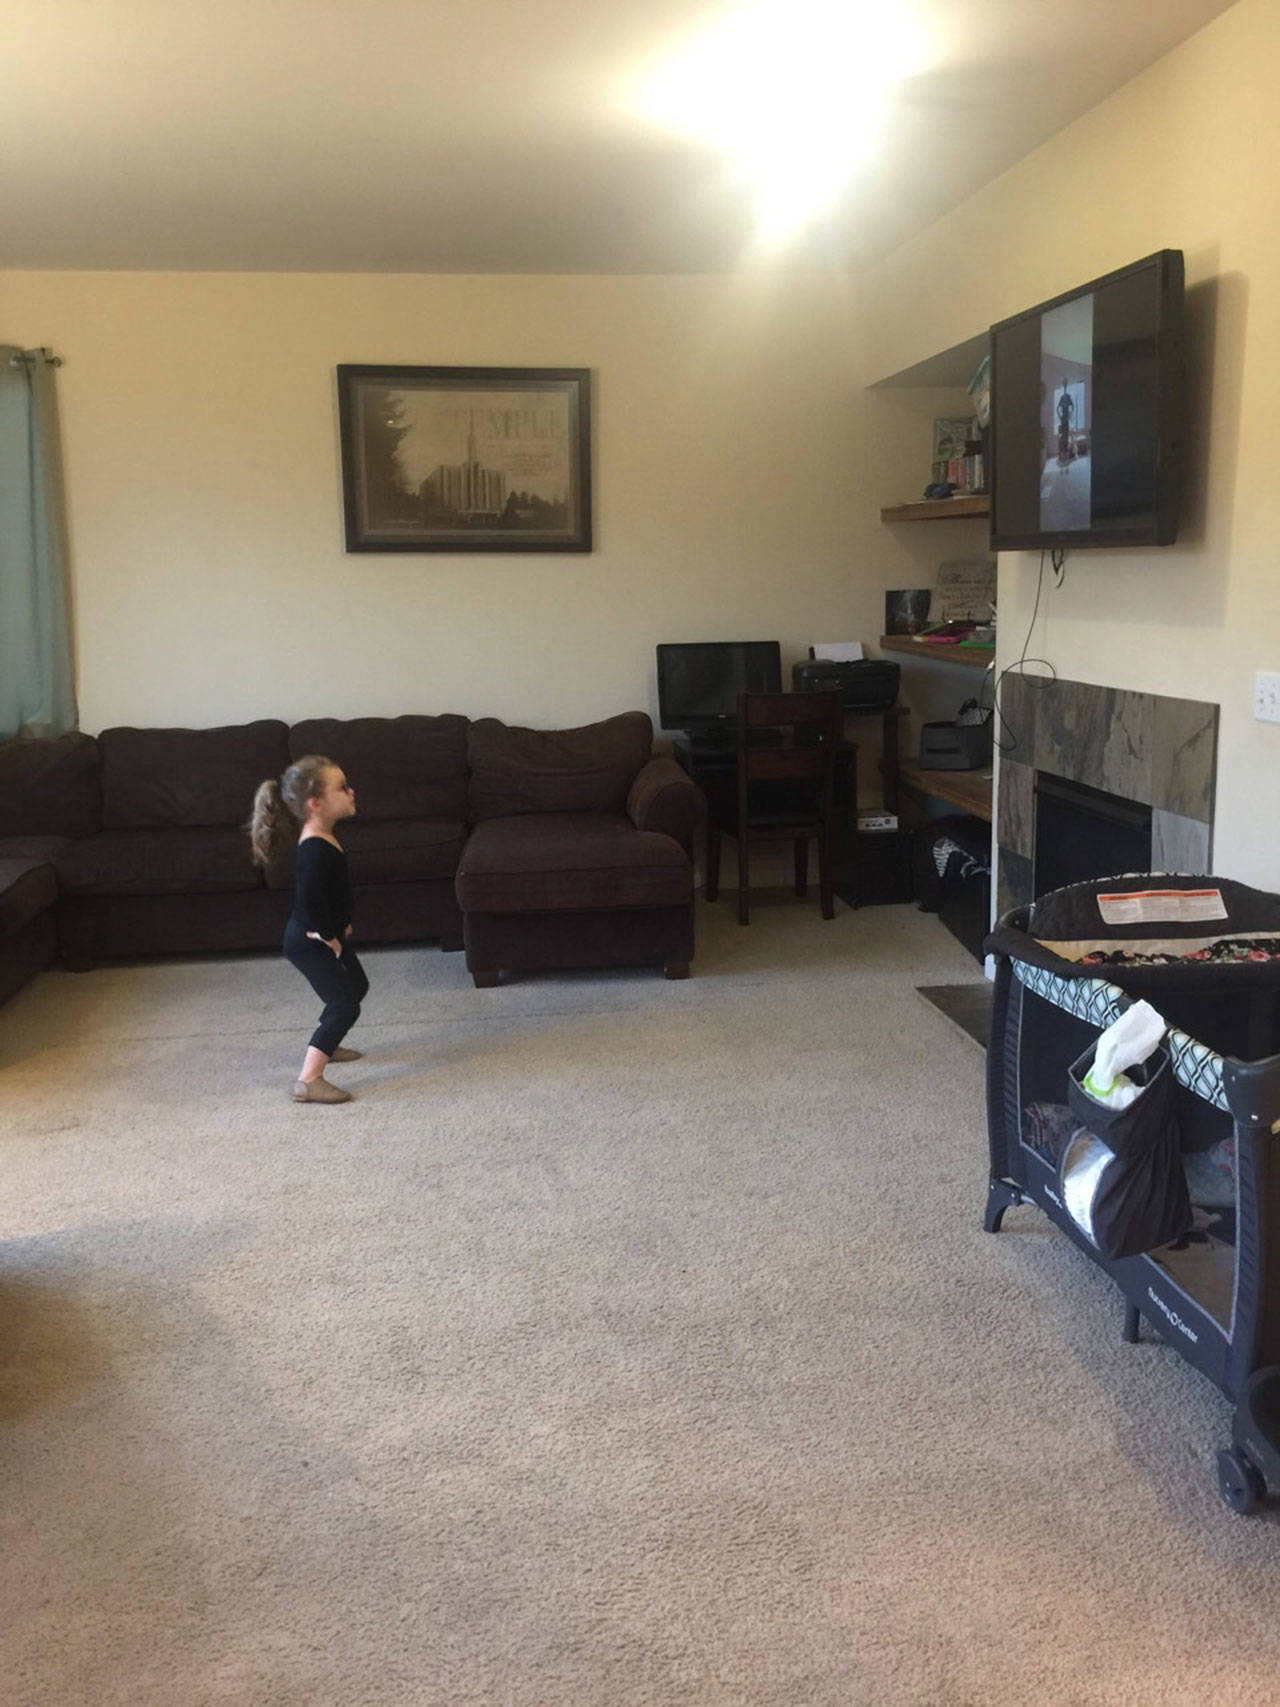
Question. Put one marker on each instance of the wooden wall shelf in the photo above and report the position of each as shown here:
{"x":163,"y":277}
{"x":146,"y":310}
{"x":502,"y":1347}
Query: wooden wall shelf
{"x":975,"y":657}
{"x":969,"y":790}
{"x":938,"y":509}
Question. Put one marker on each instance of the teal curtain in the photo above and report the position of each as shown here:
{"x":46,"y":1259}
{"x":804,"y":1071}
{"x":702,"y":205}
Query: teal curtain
{"x":37,"y":688}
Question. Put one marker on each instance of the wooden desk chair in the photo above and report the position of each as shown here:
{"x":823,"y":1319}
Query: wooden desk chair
{"x":786,"y":768}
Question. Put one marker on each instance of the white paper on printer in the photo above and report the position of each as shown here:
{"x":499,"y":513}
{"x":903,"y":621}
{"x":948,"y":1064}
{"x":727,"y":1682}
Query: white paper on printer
{"x":838,"y":651}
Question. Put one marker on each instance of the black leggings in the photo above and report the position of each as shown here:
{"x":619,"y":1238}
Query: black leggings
{"x":340,"y":984}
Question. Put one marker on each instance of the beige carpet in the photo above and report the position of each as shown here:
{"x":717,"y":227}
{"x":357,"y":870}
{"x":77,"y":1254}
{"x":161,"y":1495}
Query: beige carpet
{"x":626,"y":1342}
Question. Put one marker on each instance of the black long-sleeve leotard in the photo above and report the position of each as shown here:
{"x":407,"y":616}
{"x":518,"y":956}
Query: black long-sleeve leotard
{"x":322,"y":889}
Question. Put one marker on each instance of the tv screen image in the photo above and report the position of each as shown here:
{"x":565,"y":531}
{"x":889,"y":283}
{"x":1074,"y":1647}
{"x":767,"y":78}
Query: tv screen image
{"x":1066,"y":394}
{"x":699,"y":681}
{"x":1086,"y":400}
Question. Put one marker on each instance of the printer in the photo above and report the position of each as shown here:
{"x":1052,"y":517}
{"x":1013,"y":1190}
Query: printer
{"x":865,"y":684}
{"x":963,"y":744}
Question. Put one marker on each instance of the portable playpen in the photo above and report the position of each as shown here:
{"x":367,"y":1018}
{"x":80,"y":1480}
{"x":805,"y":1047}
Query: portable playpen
{"x":1191,"y":1229}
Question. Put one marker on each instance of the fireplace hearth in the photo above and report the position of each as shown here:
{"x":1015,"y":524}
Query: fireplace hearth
{"x":1142,"y":764}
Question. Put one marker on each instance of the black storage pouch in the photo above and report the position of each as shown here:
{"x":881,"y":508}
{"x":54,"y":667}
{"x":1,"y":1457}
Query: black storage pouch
{"x":1141,"y":1198}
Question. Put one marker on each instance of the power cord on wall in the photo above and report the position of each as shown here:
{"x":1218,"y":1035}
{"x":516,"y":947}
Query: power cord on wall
{"x":1058,"y":565}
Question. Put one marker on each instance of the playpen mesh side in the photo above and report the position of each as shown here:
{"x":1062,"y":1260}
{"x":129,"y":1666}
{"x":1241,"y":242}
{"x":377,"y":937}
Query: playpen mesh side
{"x":1195,"y":1066}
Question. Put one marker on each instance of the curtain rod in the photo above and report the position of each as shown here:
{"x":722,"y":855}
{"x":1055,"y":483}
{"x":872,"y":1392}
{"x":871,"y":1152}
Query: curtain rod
{"x":26,"y":357}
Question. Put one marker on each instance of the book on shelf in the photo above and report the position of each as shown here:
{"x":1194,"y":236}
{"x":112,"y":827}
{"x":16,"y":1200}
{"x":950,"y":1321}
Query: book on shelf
{"x":959,"y":453}
{"x":979,"y":389}
{"x":949,"y":434}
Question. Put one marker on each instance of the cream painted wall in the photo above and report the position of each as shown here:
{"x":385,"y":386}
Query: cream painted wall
{"x":200,"y":439}
{"x":1183,"y":157}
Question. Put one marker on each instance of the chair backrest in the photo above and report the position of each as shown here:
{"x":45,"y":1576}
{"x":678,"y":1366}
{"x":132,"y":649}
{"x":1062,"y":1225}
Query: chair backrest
{"x":807,"y":727}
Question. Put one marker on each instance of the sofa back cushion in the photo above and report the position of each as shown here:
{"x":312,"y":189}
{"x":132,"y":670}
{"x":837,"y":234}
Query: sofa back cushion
{"x":590,"y":769}
{"x":400,"y":767}
{"x":50,"y":787}
{"x":165,"y":778}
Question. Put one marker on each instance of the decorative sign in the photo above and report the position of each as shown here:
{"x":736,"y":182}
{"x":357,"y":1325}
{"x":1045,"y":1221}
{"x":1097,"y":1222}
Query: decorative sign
{"x":966,"y":590}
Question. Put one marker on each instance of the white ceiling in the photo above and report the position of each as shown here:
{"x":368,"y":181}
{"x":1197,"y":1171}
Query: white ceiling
{"x":477,"y":135}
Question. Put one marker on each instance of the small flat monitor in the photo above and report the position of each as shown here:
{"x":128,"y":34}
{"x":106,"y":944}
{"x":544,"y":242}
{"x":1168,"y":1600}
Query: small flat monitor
{"x":699,"y":681}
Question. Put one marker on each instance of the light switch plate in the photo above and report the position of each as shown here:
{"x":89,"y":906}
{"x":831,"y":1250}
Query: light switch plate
{"x":1266,"y":696}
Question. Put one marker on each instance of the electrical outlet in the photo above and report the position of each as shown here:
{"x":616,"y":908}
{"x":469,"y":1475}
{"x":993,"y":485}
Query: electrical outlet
{"x":1266,"y":696}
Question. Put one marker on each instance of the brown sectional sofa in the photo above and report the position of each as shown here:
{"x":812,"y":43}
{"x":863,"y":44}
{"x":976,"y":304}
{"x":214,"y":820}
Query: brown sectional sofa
{"x":538,"y":849}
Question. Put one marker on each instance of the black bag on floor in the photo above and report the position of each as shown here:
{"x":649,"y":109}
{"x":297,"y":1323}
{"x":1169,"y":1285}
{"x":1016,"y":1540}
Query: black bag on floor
{"x":1140,"y":1197}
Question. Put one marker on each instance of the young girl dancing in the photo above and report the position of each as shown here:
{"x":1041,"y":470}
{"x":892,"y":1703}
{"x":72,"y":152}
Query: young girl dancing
{"x":315,"y":794}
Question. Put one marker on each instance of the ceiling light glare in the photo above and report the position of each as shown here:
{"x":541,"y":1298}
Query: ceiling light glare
{"x":793,"y":93}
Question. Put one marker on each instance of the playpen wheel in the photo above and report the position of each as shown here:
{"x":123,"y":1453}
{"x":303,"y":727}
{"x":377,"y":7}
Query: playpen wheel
{"x":1238,"y":1482}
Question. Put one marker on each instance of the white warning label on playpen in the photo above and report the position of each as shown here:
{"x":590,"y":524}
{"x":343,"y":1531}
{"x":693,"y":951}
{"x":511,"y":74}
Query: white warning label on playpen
{"x":1162,"y":906}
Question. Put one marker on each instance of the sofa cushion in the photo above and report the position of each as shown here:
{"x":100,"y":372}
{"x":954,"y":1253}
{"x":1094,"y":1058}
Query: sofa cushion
{"x":27,"y":887}
{"x":555,"y":770}
{"x":180,"y":778}
{"x":158,"y":862}
{"x":570,"y":862}
{"x":393,"y":850}
{"x":50,"y":787}
{"x":42,"y":850}
{"x":400,"y":767}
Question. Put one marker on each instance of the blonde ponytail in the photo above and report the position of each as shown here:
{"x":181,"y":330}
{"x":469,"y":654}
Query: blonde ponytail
{"x":271,"y":828}
{"x":280,"y":807}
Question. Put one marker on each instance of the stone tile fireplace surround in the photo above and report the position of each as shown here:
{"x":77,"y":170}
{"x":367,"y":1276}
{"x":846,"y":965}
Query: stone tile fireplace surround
{"x":1145,"y":747}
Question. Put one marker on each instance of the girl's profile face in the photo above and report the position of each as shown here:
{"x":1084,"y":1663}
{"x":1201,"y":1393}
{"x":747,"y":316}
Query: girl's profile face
{"x":339,"y":798}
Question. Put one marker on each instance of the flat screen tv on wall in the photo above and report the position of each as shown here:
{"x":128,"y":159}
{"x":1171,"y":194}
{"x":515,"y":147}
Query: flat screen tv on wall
{"x":1086,"y":413}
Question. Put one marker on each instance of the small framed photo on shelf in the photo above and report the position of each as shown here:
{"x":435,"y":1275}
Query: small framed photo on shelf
{"x":906,"y":611}
{"x":466,"y":459}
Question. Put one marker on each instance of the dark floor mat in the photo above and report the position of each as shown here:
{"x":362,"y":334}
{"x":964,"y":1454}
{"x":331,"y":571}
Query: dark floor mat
{"x":965,"y":1005}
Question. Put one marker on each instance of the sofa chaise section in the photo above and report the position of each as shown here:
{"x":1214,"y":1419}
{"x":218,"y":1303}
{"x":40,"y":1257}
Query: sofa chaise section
{"x":49,"y":797}
{"x":28,"y":939}
{"x":580,"y":853}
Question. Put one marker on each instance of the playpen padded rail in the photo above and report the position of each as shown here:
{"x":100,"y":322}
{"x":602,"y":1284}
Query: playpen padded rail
{"x":1098,"y":1003}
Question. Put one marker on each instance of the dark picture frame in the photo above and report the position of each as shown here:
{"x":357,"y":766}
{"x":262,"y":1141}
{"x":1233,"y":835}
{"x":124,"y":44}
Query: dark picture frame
{"x":465,"y":458}
{"x":906,"y":610}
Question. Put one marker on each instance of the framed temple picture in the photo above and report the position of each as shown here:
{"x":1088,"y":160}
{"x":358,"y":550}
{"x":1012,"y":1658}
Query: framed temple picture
{"x":466,"y":458}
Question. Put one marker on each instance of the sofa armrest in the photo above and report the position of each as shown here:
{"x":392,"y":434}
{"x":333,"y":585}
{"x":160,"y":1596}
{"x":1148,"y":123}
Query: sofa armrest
{"x":664,"y":798}
{"x":27,"y":888}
